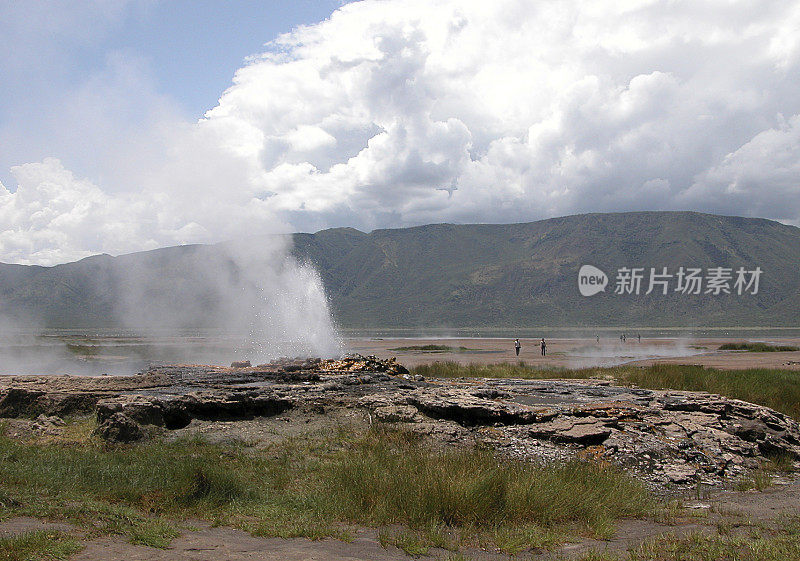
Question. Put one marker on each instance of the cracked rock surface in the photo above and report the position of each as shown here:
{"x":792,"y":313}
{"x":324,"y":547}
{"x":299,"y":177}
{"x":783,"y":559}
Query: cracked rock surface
{"x":666,"y":437}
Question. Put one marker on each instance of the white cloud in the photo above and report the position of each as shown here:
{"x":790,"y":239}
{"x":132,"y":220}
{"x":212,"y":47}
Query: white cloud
{"x":762,"y":176}
{"x":58,"y":217}
{"x":529,"y":109}
{"x":393,"y":113}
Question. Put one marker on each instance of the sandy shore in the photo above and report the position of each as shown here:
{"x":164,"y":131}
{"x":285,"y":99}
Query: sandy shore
{"x":125,"y":355}
{"x":579,"y":353}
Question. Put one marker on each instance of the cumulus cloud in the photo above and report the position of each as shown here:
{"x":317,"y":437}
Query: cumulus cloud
{"x":395,"y":113}
{"x":763,"y":175}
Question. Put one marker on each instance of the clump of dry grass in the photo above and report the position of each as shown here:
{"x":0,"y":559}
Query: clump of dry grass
{"x":758,"y":347}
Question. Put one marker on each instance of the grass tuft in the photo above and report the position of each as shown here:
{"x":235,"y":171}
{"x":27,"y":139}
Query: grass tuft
{"x":394,"y":480}
{"x":154,"y":533}
{"x":37,"y":546}
{"x":214,"y":486}
{"x":757,"y":347}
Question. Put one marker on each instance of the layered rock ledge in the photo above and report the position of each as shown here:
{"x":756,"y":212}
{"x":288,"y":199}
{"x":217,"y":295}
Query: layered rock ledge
{"x":664,"y":436}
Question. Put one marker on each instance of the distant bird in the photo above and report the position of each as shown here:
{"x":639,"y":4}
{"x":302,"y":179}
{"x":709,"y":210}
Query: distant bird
{"x":453,"y":187}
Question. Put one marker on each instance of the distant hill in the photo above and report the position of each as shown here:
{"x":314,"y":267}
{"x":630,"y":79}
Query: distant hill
{"x":475,"y":275}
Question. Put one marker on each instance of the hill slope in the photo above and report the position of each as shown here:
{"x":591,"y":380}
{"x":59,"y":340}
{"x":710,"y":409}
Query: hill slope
{"x":526,"y":274}
{"x":509,"y":275}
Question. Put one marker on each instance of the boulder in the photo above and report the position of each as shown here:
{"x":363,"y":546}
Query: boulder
{"x":120,"y":428}
{"x":53,"y":420}
{"x":143,"y":410}
{"x":585,"y":434}
{"x":397,"y":414}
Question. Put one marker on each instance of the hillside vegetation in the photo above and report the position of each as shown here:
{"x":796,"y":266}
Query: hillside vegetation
{"x":445,"y":275}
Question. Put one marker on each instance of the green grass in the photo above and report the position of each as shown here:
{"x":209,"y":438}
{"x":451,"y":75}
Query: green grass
{"x":412,"y":543}
{"x":433,"y":349}
{"x":780,"y":545}
{"x":757,"y":347}
{"x":131,"y":491}
{"x":37,"y":546}
{"x":165,"y":478}
{"x":390,"y":478}
{"x":83,"y":350}
{"x":775,"y":388}
{"x":154,"y":533}
{"x":314,"y":487}
{"x":450,"y":369}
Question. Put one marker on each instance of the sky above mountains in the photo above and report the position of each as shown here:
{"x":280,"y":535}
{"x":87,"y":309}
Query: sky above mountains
{"x":129,"y":125}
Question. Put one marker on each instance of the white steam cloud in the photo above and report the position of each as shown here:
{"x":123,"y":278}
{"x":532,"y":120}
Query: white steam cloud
{"x":266,"y":303}
{"x":613,"y":353}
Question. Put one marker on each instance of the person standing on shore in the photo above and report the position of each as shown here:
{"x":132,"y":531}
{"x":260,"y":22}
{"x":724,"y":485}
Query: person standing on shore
{"x":517,"y":346}
{"x":543,"y":344}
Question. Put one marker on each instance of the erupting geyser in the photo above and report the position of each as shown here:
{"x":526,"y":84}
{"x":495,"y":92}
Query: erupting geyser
{"x":275,"y":305}
{"x":254,"y":291}
{"x":290,"y":315}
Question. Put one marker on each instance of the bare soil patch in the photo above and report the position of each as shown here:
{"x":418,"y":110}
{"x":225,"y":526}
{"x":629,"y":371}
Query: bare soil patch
{"x":577,"y":353}
{"x":200,"y":541}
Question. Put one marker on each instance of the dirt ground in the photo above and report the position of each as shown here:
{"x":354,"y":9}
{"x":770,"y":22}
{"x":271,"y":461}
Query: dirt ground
{"x":200,"y":541}
{"x":580,"y":353}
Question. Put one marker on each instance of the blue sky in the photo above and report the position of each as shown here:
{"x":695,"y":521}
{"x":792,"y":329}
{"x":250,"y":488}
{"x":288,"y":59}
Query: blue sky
{"x":133,"y":124}
{"x":193,"y":48}
{"x":188,"y":49}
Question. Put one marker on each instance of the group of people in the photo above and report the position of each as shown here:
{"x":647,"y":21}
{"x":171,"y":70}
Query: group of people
{"x":624,"y":337}
{"x":542,"y":345}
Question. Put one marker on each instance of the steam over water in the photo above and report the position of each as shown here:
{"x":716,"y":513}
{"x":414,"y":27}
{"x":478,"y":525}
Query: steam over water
{"x":193,"y":304}
{"x":255,"y":291}
{"x":614,"y":353}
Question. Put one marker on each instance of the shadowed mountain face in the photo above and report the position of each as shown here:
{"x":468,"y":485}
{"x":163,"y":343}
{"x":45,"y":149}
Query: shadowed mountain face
{"x":527,"y":274}
{"x":510,"y":275}
{"x":171,"y":287}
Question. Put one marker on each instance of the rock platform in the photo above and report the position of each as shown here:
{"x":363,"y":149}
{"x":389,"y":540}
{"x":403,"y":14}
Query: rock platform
{"x":666,"y":437}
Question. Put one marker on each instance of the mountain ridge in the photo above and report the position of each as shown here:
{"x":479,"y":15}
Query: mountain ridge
{"x":460,"y":275}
